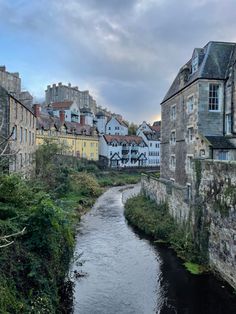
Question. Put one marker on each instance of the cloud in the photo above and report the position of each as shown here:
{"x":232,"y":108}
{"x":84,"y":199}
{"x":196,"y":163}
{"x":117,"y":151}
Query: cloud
{"x":128,"y":52}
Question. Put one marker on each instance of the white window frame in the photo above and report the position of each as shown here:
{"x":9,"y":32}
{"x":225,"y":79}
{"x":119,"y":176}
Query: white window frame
{"x":190,"y":136}
{"x":189,"y":163}
{"x":212,"y":97}
{"x":228,"y":119}
{"x":173,"y":137}
{"x":173,"y":112}
{"x":172,"y":161}
{"x":190,"y":103}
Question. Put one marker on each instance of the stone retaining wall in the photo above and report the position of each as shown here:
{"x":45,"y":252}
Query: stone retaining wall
{"x":217,"y":197}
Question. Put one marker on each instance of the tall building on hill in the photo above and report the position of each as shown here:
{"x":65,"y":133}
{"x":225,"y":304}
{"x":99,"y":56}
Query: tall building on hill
{"x":60,"y":93}
{"x":12,"y":84}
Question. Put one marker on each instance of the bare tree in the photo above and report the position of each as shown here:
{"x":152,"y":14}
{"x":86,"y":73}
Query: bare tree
{"x":7,"y":239}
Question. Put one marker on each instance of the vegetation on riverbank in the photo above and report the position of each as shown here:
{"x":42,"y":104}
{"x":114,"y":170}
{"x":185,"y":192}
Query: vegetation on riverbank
{"x":47,"y":207}
{"x":155,"y":221}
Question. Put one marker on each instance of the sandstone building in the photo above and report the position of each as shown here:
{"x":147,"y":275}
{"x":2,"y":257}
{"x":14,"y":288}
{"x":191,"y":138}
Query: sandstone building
{"x":17,"y":134}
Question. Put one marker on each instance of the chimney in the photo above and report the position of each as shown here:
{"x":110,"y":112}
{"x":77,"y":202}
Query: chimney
{"x":37,"y":109}
{"x":3,"y":68}
{"x":62,"y":116}
{"x":82,"y":120}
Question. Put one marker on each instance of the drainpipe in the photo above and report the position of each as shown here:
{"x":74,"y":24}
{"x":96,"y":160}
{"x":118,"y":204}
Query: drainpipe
{"x":232,"y":101}
{"x":224,"y":110}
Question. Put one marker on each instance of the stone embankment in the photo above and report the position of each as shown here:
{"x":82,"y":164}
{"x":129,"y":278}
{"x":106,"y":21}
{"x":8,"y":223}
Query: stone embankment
{"x":214,"y":202}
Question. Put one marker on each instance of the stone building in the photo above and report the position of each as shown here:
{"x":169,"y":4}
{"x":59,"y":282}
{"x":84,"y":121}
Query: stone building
{"x":12,"y":83}
{"x":60,"y":93}
{"x":17,"y":134}
{"x":198,"y":154}
{"x":78,"y":138}
{"x":198,"y":112}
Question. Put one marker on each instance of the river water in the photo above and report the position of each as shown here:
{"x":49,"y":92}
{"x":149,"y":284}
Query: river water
{"x":127,"y":274}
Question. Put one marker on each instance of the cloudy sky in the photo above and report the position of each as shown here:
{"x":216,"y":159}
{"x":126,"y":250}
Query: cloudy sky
{"x":126,"y":52}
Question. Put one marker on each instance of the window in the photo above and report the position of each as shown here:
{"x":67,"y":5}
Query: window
{"x":228,"y":120}
{"x":223,"y":155}
{"x":195,"y":64}
{"x":84,"y":144}
{"x":190,"y":134}
{"x":189,"y":192}
{"x":173,"y":112}
{"x":21,"y":134}
{"x":30,"y":137}
{"x":21,"y":160}
{"x":190,"y":103}
{"x":202,"y":152}
{"x":92,"y":144}
{"x":173,"y":138}
{"x":14,"y":135}
{"x":150,"y":144}
{"x":25,"y":135}
{"x":189,"y":163}
{"x":214,"y":97}
{"x":15,"y":110}
{"x":172,"y":162}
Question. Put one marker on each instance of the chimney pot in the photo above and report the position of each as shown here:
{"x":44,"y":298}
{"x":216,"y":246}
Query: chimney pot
{"x":37,"y":109}
{"x":62,"y":116}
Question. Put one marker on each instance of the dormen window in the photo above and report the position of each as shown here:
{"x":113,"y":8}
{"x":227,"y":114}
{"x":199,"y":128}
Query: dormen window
{"x":195,"y":64}
{"x":173,"y":138}
{"x":190,"y":103}
{"x":173,"y":113}
{"x":214,"y":97}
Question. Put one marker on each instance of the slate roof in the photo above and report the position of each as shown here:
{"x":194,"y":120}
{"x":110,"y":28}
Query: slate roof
{"x":214,"y":61}
{"x":62,"y":105}
{"x":220,"y":142}
{"x":47,"y":122}
{"x":124,"y":138}
{"x":152,"y":136}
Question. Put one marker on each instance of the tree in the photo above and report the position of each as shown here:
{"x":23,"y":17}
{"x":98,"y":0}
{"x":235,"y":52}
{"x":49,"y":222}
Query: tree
{"x":132,"y":129}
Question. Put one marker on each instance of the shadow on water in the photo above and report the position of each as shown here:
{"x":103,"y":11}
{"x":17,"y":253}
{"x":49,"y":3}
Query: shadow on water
{"x":185,"y":293}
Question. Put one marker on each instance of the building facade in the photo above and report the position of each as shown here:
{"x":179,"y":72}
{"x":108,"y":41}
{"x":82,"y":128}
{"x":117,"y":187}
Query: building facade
{"x":114,"y":126}
{"x":78,"y":139}
{"x":17,"y":131}
{"x":151,"y":137}
{"x":61,"y":93}
{"x":12,"y":83}
{"x":198,"y":113}
{"x":123,"y":151}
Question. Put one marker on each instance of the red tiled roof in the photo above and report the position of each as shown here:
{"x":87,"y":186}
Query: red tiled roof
{"x":123,"y":138}
{"x":63,"y":105}
{"x":156,"y":128}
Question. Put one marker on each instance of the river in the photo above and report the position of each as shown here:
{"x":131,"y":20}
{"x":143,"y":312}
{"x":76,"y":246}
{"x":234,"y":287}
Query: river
{"x":127,"y":274}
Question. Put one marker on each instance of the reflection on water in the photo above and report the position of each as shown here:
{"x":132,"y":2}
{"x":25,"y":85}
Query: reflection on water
{"x":127,"y":274}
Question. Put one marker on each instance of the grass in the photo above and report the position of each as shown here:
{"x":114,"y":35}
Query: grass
{"x":155,"y":221}
{"x":117,"y":178}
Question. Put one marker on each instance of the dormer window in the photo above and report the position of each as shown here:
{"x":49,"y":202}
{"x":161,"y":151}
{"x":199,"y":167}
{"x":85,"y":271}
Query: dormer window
{"x":194,"y":63}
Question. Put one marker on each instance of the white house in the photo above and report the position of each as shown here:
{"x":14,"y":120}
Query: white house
{"x":115,"y":126}
{"x":151,"y":136}
{"x":123,"y":151}
{"x":71,"y":109}
{"x":88,"y":116}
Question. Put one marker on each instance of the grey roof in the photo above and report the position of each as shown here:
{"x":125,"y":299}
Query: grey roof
{"x":85,"y":110}
{"x":214,"y":60}
{"x":220,"y":142}
{"x":100,"y":114}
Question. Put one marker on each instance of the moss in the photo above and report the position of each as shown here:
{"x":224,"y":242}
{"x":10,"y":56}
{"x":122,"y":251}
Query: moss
{"x":193,"y":268}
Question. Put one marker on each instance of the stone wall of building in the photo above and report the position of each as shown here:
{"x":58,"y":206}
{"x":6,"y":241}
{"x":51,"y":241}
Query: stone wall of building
{"x":218,"y":191}
{"x":214,"y":191}
{"x":161,"y":190}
